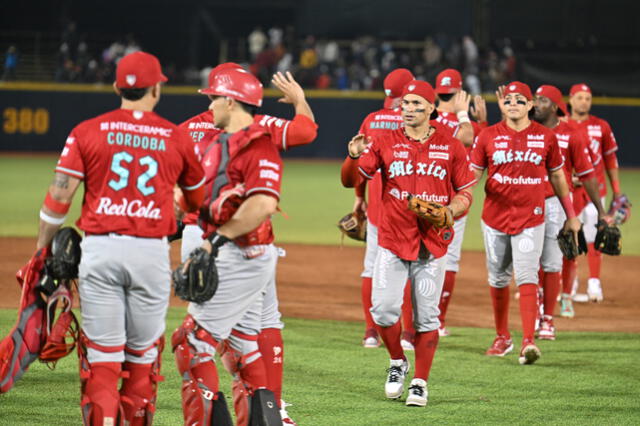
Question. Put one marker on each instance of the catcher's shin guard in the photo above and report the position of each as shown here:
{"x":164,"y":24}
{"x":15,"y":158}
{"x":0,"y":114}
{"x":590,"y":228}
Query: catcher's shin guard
{"x":139,"y":389}
{"x":100,"y":400}
{"x":264,"y":409}
{"x":25,"y":341}
{"x":193,"y":349}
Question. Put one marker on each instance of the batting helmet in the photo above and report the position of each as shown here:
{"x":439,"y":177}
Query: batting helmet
{"x":236,"y":84}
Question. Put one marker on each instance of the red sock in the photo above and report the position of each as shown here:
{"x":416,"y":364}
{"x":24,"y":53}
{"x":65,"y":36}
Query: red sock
{"x":425,"y":347}
{"x":569,"y":271}
{"x":407,"y":310}
{"x":254,"y":374}
{"x":366,"y":302}
{"x":391,"y":338}
{"x":551,"y":286}
{"x":528,"y":309}
{"x":447,"y":292}
{"x":500,"y":300}
{"x":594,"y":257}
{"x":272,"y":350}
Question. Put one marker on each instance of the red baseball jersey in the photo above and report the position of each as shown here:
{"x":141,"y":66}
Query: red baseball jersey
{"x":602,"y":141}
{"x":284,"y":134}
{"x":247,"y":157}
{"x":374,"y":124}
{"x":450,"y":120}
{"x":434,"y":170}
{"x":517,"y":164}
{"x":130,"y":162}
{"x":575,"y":152}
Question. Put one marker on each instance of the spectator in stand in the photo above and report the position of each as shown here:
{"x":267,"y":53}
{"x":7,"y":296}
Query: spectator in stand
{"x":257,"y":42}
{"x":10,"y":64}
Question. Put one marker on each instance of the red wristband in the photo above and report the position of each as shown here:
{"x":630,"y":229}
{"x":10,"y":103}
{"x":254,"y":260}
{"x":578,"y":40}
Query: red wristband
{"x":56,"y":206}
{"x":567,"y":205}
{"x":615,"y":185}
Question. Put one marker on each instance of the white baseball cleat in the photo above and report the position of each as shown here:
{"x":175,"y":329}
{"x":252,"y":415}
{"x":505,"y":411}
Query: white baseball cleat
{"x":286,"y":420}
{"x":406,"y":345}
{"x":580,"y":298}
{"x":594,"y":290}
{"x":398,"y":369}
{"x":418,"y":393}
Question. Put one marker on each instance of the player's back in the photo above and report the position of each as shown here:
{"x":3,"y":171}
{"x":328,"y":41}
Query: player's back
{"x":130,"y":162}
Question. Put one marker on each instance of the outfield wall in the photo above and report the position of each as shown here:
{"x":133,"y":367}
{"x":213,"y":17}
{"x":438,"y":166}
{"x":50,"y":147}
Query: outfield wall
{"x":38,"y":117}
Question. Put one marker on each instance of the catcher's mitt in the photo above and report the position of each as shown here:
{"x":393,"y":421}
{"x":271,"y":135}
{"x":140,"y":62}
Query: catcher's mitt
{"x":438,"y":215}
{"x":568,"y":245}
{"x":608,"y":239}
{"x":620,"y":209}
{"x":354,"y":225}
{"x":196,"y":280}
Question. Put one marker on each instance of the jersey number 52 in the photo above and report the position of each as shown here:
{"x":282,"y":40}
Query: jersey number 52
{"x":142,"y":183}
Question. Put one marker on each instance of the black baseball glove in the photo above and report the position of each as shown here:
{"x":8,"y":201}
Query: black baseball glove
{"x":568,"y":245}
{"x":196,"y":280}
{"x":608,"y":239}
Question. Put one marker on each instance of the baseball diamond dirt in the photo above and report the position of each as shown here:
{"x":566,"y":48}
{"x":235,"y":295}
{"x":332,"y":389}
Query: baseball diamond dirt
{"x":322,"y":282}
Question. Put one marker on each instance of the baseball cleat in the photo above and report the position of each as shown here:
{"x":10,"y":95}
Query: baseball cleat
{"x":500,"y":347}
{"x":566,"y":306}
{"x":398,"y":370}
{"x":580,"y":298}
{"x":418,"y":393}
{"x":547,"y":330}
{"x":443,"y":332}
{"x":371,"y":339}
{"x":286,"y":420}
{"x":529,"y":353}
{"x":594,"y":290}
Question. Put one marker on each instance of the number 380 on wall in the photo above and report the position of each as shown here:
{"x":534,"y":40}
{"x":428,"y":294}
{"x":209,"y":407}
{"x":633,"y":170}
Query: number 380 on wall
{"x":25,"y":120}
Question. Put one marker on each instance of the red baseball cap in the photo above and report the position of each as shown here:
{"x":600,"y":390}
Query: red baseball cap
{"x":395,"y":81}
{"x":219,"y":68}
{"x":422,"y":89}
{"x":580,"y":87}
{"x":555,"y":95}
{"x":518,"y":87}
{"x":236,"y":84}
{"x":448,"y":81}
{"x":139,"y":70}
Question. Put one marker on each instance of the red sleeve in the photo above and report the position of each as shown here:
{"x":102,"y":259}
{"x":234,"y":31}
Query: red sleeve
{"x":361,"y":189}
{"x":609,"y":144}
{"x":192,"y":175}
{"x":299,"y":131}
{"x":579,"y":153}
{"x":370,"y":159}
{"x":364,"y":126}
{"x":476,"y":128}
{"x":554,"y":160}
{"x":462,"y":177}
{"x":349,"y":173}
{"x":262,"y":168}
{"x":482,"y":125}
{"x":70,"y":161}
{"x":478,"y":154}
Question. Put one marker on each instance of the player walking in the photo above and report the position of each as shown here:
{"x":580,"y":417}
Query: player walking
{"x":453,"y":104}
{"x":414,"y":160}
{"x":603,"y":142}
{"x":548,"y":106}
{"x":129,"y":159}
{"x":518,"y":154}
{"x":244,"y":161}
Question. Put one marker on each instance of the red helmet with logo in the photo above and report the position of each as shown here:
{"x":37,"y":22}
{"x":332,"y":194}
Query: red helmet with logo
{"x":236,"y":84}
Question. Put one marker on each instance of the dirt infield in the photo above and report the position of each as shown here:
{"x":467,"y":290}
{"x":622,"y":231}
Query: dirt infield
{"x":322,"y":282}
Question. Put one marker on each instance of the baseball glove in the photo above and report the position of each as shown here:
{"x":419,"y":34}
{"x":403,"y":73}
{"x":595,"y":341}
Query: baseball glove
{"x":568,"y":245}
{"x":620,"y":209}
{"x":354,"y":225}
{"x":608,"y":239}
{"x":196,"y":280}
{"x":438,"y":215}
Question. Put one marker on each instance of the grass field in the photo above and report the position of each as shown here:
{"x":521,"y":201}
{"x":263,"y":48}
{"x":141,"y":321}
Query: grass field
{"x":313,"y":199}
{"x":585,"y":378}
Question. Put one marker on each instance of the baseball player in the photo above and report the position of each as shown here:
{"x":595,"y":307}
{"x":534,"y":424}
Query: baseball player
{"x":378,"y":122}
{"x":548,"y":107}
{"x":518,"y":154}
{"x":242,"y":161}
{"x":130,"y":160}
{"x":284,"y":134}
{"x":424,"y":162}
{"x":453,"y":104}
{"x":603,"y":142}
